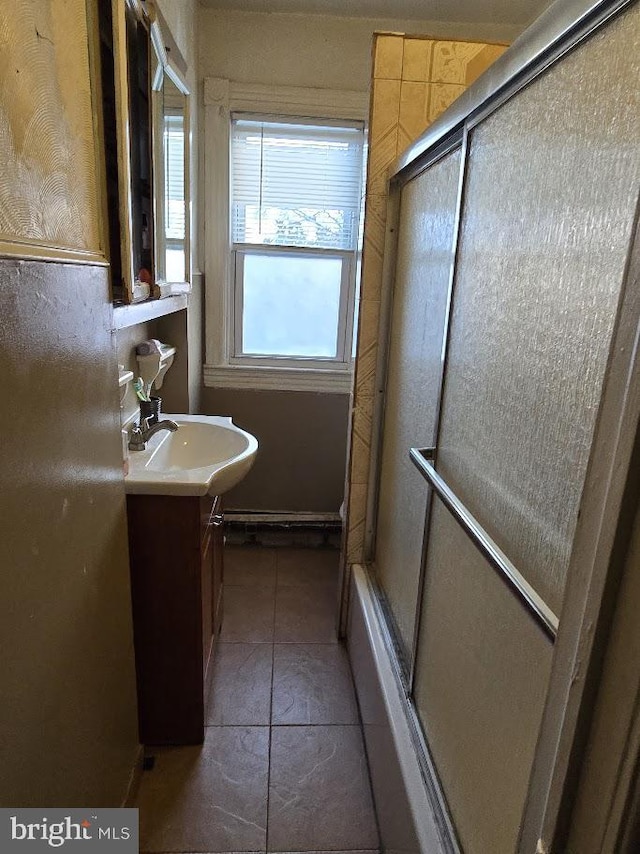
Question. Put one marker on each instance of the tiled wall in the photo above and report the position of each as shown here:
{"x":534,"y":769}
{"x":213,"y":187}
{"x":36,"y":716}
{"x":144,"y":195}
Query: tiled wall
{"x":414,"y":80}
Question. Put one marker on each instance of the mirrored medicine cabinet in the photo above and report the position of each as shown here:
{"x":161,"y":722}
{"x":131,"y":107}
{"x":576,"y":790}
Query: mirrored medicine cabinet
{"x":141,"y":108}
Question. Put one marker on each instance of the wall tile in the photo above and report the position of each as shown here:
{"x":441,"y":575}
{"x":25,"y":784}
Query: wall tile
{"x":357,"y":512}
{"x":361,"y":439}
{"x":441,"y":96}
{"x":374,"y":240}
{"x":383,"y":133}
{"x":413,"y":119}
{"x":450,"y":60}
{"x":369,"y":323}
{"x":388,"y":57}
{"x":367,"y":385}
{"x":416,"y":60}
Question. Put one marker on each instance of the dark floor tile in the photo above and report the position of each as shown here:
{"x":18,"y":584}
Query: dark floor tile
{"x":249,"y":566}
{"x":210,"y":798}
{"x":240,"y":691}
{"x":248,"y":615}
{"x":319,"y":793}
{"x":305,"y":615}
{"x":312,"y":685}
{"x":302,"y":567}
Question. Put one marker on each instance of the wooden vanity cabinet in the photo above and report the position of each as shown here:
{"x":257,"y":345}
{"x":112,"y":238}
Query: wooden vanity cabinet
{"x":176,"y":559}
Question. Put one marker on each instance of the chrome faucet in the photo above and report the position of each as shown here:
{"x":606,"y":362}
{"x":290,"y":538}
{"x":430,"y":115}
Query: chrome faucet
{"x":141,"y":433}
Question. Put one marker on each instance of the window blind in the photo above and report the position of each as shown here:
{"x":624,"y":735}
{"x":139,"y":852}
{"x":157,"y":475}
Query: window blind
{"x":296,"y":184}
{"x":174,"y":176}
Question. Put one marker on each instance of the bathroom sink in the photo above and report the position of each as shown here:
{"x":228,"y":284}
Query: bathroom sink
{"x":207,"y":455}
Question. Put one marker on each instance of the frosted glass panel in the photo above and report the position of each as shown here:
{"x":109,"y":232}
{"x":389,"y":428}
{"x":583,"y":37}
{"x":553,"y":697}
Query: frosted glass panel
{"x":482,"y":672}
{"x":291,"y":305}
{"x":549,"y":208}
{"x":428,"y":206}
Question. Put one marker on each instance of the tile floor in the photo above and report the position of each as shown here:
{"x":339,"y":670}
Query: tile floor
{"x":283,"y":767}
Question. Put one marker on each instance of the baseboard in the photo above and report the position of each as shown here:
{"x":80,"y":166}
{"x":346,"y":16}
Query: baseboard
{"x":283,"y":529}
{"x":282,"y":517}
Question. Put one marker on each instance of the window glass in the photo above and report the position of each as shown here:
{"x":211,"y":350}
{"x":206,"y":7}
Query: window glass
{"x":291,"y":305}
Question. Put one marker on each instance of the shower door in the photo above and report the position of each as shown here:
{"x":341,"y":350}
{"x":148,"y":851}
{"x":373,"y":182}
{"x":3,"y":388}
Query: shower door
{"x":541,"y":233}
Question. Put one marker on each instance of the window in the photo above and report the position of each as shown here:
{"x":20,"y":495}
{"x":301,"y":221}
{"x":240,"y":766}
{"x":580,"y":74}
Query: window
{"x":295,"y":210}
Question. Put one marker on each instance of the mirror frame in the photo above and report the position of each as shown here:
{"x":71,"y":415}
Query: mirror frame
{"x":124,"y":141}
{"x":171,"y":65}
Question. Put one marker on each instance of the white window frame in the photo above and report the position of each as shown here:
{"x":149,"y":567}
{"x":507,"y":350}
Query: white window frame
{"x":345,"y":311}
{"x":223,"y":367}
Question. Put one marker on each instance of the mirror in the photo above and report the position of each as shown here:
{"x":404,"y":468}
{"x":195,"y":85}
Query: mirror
{"x":143,"y":120}
{"x":170,"y":111}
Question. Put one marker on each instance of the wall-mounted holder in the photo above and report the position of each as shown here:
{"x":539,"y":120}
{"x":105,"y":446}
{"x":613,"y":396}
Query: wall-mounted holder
{"x":124,"y":378}
{"x":154,"y":366}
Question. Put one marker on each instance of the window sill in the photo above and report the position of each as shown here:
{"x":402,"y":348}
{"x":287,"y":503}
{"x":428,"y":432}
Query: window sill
{"x":332,"y":381}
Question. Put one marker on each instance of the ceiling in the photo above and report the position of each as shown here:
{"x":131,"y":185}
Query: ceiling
{"x":520,"y":12}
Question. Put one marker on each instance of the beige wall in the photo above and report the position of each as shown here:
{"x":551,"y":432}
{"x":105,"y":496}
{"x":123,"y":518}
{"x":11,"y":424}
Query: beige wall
{"x":303,"y":447}
{"x":322,"y":52}
{"x":68,"y":711}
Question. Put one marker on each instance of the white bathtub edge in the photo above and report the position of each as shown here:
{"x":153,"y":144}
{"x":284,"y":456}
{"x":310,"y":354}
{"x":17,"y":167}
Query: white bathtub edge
{"x":415,"y":791}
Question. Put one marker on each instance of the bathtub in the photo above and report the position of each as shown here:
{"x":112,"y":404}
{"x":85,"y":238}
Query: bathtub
{"x":411,"y":812}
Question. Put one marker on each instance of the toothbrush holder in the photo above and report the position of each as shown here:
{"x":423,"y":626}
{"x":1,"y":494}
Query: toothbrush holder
{"x":150,"y":409}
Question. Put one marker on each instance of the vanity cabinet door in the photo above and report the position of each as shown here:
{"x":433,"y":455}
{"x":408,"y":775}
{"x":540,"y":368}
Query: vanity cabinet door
{"x":211,"y":540}
{"x":217,"y":554}
{"x":172,"y":546}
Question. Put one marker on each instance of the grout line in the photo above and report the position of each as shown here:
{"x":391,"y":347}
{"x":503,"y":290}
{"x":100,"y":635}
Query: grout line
{"x":270,"y":726}
{"x":273,"y":663}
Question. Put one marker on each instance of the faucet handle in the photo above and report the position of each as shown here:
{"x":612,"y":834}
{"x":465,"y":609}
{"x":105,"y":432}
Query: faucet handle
{"x":144,"y":423}
{"x":136,"y":439}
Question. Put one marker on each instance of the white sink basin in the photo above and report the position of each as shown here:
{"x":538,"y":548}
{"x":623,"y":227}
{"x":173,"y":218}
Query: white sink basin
{"x":207,"y":455}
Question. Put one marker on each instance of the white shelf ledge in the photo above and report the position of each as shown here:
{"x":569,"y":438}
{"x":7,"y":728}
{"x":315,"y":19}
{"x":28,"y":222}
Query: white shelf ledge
{"x":130,"y":315}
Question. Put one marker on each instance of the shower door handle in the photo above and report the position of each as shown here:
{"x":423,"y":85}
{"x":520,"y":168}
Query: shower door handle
{"x":423,"y":459}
